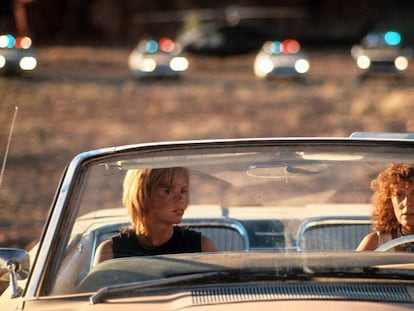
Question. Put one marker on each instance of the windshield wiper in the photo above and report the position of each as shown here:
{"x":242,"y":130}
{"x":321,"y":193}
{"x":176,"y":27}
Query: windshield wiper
{"x":107,"y":291}
{"x":392,"y":272}
{"x":233,"y":275}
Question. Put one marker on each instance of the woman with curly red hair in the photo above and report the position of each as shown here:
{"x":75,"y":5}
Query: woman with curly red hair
{"x":393,"y":202}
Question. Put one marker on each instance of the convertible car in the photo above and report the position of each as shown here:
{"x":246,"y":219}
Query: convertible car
{"x":285,"y":214}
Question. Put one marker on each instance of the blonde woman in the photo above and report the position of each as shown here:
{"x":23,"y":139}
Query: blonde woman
{"x":156,"y":200}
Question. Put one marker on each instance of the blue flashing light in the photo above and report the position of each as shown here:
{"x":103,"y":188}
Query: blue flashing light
{"x":152,"y":46}
{"x":276,"y":47}
{"x":11,"y":41}
{"x":392,"y":38}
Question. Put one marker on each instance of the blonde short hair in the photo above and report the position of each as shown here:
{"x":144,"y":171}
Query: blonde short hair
{"x":138,"y":188}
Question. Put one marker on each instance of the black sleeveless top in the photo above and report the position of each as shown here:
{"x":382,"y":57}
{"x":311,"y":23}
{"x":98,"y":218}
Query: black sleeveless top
{"x":183,"y":240}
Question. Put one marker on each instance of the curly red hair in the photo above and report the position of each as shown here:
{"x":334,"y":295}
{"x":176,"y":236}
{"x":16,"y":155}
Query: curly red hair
{"x":383,"y":213}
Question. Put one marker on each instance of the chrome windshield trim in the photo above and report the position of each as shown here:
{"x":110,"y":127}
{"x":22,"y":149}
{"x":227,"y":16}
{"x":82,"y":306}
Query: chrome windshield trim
{"x":60,"y":200}
{"x":70,"y":180}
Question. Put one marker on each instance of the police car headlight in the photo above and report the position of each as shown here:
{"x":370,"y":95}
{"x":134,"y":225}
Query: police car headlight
{"x":179,"y":64}
{"x":2,"y":61}
{"x":148,"y":65}
{"x":363,"y":62}
{"x":302,"y":66}
{"x":401,"y":63}
{"x":263,"y":67}
{"x":28,"y":63}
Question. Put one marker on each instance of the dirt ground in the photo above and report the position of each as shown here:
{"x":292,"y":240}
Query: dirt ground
{"x":83,"y":98}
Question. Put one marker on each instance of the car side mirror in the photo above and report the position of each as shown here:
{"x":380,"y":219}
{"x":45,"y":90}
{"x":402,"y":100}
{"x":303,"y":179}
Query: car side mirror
{"x":14,"y":266}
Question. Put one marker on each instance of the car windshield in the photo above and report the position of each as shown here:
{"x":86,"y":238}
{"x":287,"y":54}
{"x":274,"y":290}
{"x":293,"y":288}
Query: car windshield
{"x":287,"y":198}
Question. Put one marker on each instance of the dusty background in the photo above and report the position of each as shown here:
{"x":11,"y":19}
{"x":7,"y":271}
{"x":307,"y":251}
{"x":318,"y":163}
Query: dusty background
{"x":84,"y":98}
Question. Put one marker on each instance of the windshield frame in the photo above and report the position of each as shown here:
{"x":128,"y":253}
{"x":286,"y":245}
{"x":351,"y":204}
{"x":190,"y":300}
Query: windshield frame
{"x":63,"y":209}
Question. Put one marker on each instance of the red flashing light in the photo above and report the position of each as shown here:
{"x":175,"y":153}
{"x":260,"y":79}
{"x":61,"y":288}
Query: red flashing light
{"x":166,"y":45}
{"x":290,"y":46}
{"x":23,"y":42}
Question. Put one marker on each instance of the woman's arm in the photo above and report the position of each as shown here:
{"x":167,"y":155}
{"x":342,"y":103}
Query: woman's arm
{"x":369,"y":242}
{"x":207,"y":245}
{"x":103,"y":252}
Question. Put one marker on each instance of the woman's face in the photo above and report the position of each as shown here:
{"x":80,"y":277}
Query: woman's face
{"x":402,"y":198}
{"x":169,"y":202}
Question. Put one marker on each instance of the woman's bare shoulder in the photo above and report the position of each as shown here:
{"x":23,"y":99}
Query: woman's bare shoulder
{"x":369,"y":242}
{"x":103,"y":252}
{"x":207,"y":245}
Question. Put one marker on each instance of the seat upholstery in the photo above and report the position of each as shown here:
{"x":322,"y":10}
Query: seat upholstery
{"x":332,"y":233}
